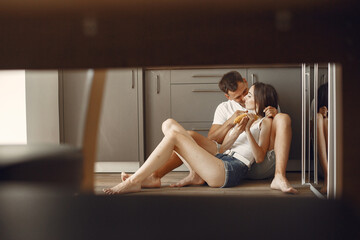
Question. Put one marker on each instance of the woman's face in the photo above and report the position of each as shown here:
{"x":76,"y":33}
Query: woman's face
{"x":250,"y":100}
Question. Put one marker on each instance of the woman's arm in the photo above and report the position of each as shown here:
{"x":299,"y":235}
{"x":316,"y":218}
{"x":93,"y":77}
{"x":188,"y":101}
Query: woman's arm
{"x":259,"y":150}
{"x":233,"y":134}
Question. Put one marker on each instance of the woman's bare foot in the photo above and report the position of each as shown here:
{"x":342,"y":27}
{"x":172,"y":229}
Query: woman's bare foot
{"x":124,"y":187}
{"x":323,"y":189}
{"x":191,"y":179}
{"x":282,"y":184}
{"x":150,"y":182}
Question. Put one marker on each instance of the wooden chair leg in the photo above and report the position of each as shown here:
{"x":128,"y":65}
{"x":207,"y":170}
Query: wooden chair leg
{"x":91,"y":130}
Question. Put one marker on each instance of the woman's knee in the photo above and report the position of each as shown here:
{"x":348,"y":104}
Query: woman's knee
{"x":172,"y":135}
{"x":319,"y":117}
{"x":282,"y":119}
{"x":167,"y":125}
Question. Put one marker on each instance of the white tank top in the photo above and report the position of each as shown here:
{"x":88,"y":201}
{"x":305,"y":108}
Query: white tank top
{"x":242,"y":145}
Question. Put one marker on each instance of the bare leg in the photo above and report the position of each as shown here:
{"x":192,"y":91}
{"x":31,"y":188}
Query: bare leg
{"x":193,"y":178}
{"x":326,"y":120}
{"x":280,"y":141}
{"x":322,"y":146}
{"x":209,"y":168}
{"x":154,"y":180}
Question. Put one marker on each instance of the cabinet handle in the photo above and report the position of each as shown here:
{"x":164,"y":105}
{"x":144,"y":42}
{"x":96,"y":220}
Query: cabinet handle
{"x":205,"y":76}
{"x":201,"y":129}
{"x":252,"y":78}
{"x":206,"y":90}
{"x":157,"y":84}
{"x":132,"y":79}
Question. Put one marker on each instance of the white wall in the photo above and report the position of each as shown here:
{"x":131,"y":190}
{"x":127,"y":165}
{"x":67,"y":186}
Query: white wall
{"x":42,"y":106}
{"x":12,"y":107}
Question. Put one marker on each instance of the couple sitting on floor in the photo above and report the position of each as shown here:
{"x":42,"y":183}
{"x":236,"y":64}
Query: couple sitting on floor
{"x":232,"y":151}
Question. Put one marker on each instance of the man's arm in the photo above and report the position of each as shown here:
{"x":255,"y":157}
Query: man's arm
{"x":233,"y":134}
{"x":218,"y":132}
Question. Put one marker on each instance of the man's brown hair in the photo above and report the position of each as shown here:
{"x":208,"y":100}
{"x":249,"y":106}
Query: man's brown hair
{"x":229,"y":82}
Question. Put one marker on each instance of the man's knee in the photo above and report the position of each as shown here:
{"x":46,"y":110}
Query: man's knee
{"x":192,"y":133}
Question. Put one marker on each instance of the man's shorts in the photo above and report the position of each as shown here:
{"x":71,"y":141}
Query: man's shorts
{"x":263,"y":170}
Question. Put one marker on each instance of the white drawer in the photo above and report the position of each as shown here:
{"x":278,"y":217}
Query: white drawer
{"x":195,"y":102}
{"x":202,"y":128}
{"x":201,"y":75}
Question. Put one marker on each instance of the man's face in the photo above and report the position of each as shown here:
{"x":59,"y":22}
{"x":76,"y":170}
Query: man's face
{"x":239,"y":94}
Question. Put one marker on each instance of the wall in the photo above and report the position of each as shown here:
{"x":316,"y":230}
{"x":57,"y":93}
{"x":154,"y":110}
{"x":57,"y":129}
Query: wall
{"x":12,"y":107}
{"x":42,"y":106}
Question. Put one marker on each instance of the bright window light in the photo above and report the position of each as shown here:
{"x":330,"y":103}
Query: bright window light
{"x":12,"y":107}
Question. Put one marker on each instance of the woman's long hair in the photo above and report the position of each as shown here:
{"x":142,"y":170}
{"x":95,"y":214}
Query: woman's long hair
{"x":265,"y":95}
{"x":323,"y":96}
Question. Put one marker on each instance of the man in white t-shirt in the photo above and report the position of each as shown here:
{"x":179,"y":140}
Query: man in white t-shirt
{"x":235,"y":89}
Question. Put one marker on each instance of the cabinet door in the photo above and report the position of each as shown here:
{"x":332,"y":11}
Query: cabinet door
{"x":201,"y":76}
{"x":119,"y":130}
{"x":195,"y":102}
{"x":202,"y":128}
{"x":287,"y":82}
{"x":157,"y":106}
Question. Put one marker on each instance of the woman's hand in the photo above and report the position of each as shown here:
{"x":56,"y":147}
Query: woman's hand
{"x":270,"y":112}
{"x":240,"y":127}
{"x":323,"y":111}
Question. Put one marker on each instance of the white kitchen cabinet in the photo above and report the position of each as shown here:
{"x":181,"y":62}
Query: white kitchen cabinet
{"x":157,"y":106}
{"x":120,"y":136}
{"x":195,"y":102}
{"x":119,"y":120}
{"x":190,"y":96}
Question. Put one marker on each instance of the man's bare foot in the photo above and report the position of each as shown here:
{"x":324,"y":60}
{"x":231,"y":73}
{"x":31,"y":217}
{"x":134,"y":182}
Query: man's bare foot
{"x":282,"y":184}
{"x":149,"y":182}
{"x":123,"y":187}
{"x":191,"y":179}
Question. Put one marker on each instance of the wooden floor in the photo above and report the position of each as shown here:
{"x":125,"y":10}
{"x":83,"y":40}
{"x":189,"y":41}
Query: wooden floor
{"x":247,"y":188}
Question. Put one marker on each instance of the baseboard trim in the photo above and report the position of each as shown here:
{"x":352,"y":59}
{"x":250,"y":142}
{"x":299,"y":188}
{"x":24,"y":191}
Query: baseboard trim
{"x":293,"y":165}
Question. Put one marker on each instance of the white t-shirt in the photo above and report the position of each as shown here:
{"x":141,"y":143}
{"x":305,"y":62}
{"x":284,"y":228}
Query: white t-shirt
{"x":225,"y":110}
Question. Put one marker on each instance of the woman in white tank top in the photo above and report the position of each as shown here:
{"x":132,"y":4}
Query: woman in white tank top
{"x":246,"y":143}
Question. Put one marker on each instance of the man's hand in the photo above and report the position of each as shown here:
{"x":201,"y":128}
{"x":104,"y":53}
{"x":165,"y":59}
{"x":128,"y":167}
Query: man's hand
{"x":270,"y":112}
{"x":235,"y":115}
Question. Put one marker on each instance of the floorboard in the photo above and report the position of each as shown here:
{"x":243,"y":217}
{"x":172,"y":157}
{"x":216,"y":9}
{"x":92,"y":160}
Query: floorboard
{"x":247,"y":188}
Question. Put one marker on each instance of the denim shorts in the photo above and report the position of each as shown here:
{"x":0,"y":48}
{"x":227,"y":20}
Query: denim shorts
{"x":263,"y":170}
{"x":235,"y":170}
